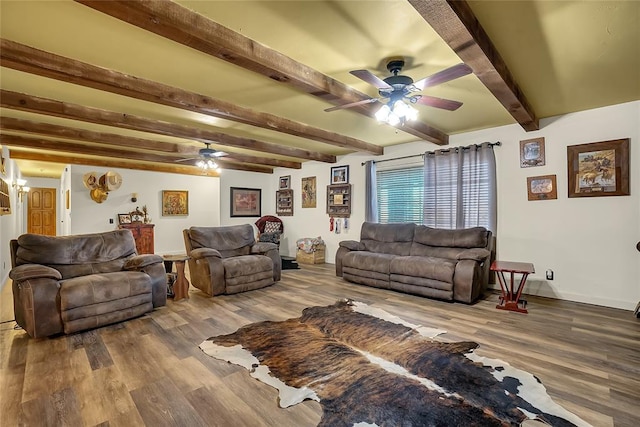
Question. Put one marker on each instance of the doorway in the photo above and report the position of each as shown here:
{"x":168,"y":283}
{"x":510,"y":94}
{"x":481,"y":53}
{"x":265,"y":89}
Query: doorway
{"x":41,"y":211}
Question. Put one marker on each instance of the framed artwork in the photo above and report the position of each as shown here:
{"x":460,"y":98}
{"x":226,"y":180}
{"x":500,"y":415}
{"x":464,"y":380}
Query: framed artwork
{"x":285,"y":182}
{"x":532,"y":152}
{"x":175,"y":202}
{"x":340,"y":175}
{"x":246,"y":202}
{"x":309,"y":192}
{"x":124,"y":218}
{"x":599,"y":169}
{"x":542,"y":187}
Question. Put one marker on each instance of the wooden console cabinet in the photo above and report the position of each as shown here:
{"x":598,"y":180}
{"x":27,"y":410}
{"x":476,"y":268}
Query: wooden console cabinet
{"x":143,"y":234}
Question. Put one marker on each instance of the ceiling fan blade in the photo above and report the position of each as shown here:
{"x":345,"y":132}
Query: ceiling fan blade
{"x":352,"y":104}
{"x":185,"y":160}
{"x":443,"y":76}
{"x":445,"y":104}
{"x":370,"y":78}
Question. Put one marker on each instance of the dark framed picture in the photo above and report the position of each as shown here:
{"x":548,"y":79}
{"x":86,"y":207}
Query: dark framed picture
{"x":599,"y":169}
{"x":340,"y":175}
{"x":285,"y":182}
{"x":124,"y":218}
{"x":246,"y":202}
{"x":175,"y":203}
{"x":542,"y":187}
{"x":532,"y":152}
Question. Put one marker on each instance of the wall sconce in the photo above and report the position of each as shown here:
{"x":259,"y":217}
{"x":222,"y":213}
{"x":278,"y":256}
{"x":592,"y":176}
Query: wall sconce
{"x":20,"y":185}
{"x":134,"y":197}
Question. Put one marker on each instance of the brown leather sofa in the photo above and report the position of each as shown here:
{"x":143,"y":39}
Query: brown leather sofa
{"x":72,"y":283}
{"x":436,"y":263}
{"x":227,"y":260}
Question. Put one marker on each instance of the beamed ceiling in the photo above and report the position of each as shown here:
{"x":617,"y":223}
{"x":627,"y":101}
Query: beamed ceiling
{"x":144,"y":84}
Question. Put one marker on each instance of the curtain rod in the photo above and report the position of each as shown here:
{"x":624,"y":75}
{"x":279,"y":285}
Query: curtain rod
{"x":498,"y":143}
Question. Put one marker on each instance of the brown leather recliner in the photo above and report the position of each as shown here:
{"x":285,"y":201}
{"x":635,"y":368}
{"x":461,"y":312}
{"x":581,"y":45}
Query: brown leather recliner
{"x":72,"y":283}
{"x":227,"y":260}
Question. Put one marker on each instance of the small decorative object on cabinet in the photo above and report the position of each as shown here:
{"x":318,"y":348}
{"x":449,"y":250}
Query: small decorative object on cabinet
{"x":284,"y":202}
{"x":339,"y":200}
{"x":143,"y":235}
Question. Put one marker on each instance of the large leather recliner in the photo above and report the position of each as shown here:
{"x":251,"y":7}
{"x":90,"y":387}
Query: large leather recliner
{"x":416,"y":259}
{"x":227,"y":260}
{"x":66,"y":284}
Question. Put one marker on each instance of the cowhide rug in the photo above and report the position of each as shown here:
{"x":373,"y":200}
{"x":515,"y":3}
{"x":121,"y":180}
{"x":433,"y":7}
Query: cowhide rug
{"x":367,"y":367}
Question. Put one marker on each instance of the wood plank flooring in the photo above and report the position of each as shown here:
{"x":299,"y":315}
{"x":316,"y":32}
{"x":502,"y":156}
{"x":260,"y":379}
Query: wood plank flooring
{"x":150,"y":370}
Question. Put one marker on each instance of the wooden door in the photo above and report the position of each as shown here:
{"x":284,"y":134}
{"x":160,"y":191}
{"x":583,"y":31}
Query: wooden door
{"x":41,"y":211}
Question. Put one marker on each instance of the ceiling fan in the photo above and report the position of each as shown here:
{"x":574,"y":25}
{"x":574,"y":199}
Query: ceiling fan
{"x":206,"y":157}
{"x":400,"y":91}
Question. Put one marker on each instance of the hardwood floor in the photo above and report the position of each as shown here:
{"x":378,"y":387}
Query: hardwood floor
{"x":150,"y":370}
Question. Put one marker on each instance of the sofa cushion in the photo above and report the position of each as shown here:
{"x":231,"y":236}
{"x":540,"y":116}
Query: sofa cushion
{"x":77,"y":255}
{"x":368,"y":261}
{"x":99,"y":288}
{"x":427,"y":267}
{"x":234,"y":240}
{"x":393,"y":239}
{"x":476,"y":237}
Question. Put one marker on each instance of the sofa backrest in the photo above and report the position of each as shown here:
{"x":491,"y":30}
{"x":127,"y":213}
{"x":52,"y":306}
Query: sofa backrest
{"x":394,"y":239}
{"x":234,"y":240}
{"x":76,"y":255}
{"x":446,"y":243}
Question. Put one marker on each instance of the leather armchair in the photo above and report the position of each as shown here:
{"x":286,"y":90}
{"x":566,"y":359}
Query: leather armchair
{"x":72,"y":283}
{"x":227,"y":260}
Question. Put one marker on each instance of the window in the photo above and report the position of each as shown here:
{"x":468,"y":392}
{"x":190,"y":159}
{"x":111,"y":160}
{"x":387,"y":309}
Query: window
{"x":400,"y":195}
{"x":455,"y":189}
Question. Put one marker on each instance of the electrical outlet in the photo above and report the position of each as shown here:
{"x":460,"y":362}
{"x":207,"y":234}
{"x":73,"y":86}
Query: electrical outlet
{"x":549,"y":274}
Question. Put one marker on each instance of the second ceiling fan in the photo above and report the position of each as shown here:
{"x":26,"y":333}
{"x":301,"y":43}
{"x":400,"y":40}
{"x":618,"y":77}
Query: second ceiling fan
{"x":400,"y":91}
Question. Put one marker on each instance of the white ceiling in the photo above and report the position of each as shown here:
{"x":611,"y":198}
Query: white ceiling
{"x":566,"y":56}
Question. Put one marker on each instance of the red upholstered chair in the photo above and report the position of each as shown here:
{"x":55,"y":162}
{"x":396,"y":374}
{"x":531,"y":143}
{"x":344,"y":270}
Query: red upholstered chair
{"x":270,"y":228}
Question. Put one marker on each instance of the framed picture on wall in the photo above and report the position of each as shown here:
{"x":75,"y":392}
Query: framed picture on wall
{"x":542,"y":187}
{"x":340,"y":175}
{"x":285,"y":182}
{"x":309,"y":192}
{"x":246,"y":202}
{"x":175,"y":203}
{"x":532,"y":152}
{"x":599,"y":169}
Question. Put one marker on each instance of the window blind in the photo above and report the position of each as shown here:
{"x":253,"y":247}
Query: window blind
{"x":400,"y":195}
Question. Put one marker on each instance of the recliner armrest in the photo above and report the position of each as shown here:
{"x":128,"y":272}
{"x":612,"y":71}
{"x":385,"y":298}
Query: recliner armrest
{"x":201,"y":253}
{"x":352,"y":245}
{"x":263,"y":247}
{"x":474,"y":254}
{"x":140,"y":261}
{"x":33,"y":271}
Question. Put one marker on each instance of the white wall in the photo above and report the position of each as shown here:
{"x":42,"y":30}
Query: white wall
{"x":88,"y":216}
{"x":589,"y":243}
{"x":10,"y":225}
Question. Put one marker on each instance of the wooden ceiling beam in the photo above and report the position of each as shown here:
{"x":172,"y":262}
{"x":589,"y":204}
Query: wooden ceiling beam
{"x":24,"y":58}
{"x":74,"y":160}
{"x":175,"y":22}
{"x":456,"y":24}
{"x":111,"y":139}
{"x":101,"y":151}
{"x":35,"y":104}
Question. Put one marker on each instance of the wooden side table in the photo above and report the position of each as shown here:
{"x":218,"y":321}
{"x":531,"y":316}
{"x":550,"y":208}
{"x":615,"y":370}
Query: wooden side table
{"x":181,"y":285}
{"x":510,"y":298}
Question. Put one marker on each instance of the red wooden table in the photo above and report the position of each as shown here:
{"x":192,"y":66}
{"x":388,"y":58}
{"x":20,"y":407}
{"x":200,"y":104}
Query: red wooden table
{"x":510,"y":298}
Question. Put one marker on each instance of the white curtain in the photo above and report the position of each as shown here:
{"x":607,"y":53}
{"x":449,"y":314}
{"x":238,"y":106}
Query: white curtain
{"x":460,"y":188}
{"x":371,"y":192}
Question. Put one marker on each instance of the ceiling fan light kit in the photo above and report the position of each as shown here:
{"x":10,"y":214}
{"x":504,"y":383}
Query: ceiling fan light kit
{"x":398,"y":89}
{"x":207,"y":164}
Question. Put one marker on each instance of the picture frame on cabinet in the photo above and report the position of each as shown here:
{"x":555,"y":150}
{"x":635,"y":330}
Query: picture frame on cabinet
{"x":124,"y":218}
